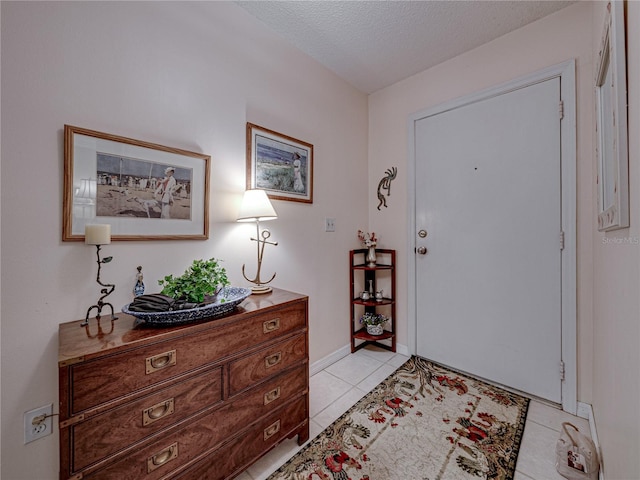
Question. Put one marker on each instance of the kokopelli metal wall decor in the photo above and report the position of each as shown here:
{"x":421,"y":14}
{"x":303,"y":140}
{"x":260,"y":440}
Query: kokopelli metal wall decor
{"x":385,"y":184}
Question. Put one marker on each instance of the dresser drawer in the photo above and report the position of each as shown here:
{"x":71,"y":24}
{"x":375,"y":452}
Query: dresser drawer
{"x":98,"y":381}
{"x":252,"y":369}
{"x":274,"y":324}
{"x":162,"y":457}
{"x":263,"y":399}
{"x":241,"y":452}
{"x":105,"y":434}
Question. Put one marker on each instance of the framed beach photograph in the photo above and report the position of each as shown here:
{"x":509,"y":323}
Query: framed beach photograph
{"x":143,"y":190}
{"x":279,"y":164}
{"x":611,"y":124}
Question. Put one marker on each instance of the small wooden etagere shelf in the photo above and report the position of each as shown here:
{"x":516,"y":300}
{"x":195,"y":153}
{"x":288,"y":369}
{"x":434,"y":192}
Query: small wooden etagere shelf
{"x":384,"y":271}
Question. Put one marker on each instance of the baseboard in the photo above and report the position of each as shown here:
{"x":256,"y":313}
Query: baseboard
{"x":585,"y":410}
{"x":330,"y":359}
{"x":339,"y":354}
{"x":402,"y":350}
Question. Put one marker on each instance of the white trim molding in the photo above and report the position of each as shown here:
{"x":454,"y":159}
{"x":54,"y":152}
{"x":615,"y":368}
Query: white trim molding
{"x":402,"y":349}
{"x":586,"y":411}
{"x":330,"y":359}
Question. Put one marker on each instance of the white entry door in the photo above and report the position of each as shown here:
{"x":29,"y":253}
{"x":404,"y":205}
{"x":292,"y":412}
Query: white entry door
{"x":488,"y":196}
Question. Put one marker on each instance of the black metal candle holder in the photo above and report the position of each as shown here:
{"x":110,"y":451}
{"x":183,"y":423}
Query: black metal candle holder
{"x":109,"y":288}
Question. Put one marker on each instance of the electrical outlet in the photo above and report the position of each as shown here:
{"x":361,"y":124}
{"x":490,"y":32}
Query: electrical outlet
{"x":38,"y":423}
{"x":329,"y":224}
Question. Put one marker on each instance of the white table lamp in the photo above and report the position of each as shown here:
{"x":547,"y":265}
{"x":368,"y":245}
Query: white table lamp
{"x":256,"y":207}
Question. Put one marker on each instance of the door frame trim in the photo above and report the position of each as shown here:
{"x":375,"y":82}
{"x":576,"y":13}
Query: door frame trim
{"x":566,"y":72}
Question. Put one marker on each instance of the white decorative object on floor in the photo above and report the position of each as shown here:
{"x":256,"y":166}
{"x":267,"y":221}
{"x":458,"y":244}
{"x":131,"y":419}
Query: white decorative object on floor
{"x":576,"y":455}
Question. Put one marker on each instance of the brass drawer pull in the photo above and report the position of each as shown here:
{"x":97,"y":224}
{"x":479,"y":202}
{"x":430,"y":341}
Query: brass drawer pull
{"x":271,"y":325}
{"x":271,"y":396}
{"x":271,"y":430}
{"x":160,"y":458}
{"x":272,"y":360}
{"x":157,"y":411}
{"x":160,"y":361}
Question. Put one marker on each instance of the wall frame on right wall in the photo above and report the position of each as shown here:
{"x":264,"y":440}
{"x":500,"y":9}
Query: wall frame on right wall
{"x":611,"y":123}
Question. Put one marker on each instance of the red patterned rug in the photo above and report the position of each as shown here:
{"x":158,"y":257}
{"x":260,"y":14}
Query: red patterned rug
{"x":424,"y":422}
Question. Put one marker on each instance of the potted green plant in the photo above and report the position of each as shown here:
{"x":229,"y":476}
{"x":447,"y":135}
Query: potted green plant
{"x":200,"y":283}
{"x":374,"y":322}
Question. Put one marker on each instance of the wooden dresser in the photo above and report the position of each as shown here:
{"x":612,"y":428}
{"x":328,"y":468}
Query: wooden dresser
{"x":197,"y":401}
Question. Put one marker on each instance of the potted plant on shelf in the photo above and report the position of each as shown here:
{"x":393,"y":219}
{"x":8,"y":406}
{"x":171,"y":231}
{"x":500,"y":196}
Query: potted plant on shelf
{"x":374,"y":322}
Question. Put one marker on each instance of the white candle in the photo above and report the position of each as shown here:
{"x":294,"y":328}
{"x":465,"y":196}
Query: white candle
{"x":97,"y":234}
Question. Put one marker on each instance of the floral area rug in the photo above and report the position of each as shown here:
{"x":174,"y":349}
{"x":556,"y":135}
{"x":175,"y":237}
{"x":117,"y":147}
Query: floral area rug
{"x":424,"y":422}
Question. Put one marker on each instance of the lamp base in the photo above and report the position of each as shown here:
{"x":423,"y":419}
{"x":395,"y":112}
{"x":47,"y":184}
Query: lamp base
{"x":260,"y":289}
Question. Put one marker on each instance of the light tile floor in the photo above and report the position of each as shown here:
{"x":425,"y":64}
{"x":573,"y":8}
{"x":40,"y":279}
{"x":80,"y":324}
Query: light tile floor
{"x":336,"y":388}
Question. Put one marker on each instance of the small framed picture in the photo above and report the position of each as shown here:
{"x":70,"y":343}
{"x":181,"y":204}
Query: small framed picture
{"x":279,"y":164}
{"x":143,"y":190}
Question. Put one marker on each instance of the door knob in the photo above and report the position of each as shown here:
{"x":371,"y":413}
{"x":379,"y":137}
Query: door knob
{"x":421,"y":250}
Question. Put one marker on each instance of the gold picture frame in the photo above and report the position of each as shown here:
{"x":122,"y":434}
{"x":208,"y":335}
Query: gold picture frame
{"x":145,"y":191}
{"x":279,"y":164}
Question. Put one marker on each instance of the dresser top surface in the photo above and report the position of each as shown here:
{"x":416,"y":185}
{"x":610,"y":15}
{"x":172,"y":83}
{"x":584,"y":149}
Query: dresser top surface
{"x":77,"y":343}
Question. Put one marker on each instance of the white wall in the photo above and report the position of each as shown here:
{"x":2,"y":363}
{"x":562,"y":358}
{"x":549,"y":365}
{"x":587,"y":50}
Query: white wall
{"x":616,"y":303}
{"x":549,"y":41}
{"x":187,"y":75}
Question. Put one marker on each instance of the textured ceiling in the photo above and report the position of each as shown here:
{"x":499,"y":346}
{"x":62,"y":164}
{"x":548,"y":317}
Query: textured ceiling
{"x":373,"y":44}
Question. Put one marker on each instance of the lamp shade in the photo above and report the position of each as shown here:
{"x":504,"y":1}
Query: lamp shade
{"x":256,"y":206}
